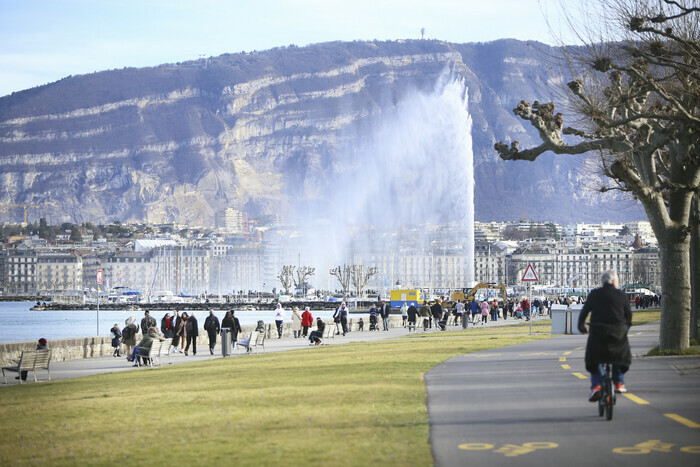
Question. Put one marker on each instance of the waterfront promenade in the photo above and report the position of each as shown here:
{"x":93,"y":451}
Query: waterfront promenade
{"x":107,"y":364}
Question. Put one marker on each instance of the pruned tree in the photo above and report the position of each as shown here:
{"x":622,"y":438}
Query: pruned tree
{"x":360,"y":277}
{"x":286,"y":278}
{"x":301,"y":274}
{"x":637,"y":94}
{"x":344,"y":275}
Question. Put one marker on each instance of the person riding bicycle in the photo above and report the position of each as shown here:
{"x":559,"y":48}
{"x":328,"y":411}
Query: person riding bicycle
{"x":611,"y":318}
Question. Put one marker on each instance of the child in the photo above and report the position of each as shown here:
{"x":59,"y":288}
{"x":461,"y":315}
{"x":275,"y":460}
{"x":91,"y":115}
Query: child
{"x":360,"y":325}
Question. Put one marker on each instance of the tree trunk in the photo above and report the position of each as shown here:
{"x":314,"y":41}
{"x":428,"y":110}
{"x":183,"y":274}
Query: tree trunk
{"x":695,"y":269}
{"x":675,"y":301}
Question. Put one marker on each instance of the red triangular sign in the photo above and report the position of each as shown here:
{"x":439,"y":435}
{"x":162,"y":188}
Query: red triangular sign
{"x":529,"y":274}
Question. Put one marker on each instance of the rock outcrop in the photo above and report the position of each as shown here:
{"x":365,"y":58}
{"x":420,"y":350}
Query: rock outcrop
{"x":178,"y":142}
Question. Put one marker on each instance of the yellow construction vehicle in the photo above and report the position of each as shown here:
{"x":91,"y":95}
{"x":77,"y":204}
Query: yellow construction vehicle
{"x":468,"y":294}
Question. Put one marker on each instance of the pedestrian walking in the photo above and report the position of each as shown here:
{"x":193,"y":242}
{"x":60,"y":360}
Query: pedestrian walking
{"x":129,"y":334}
{"x":191,"y":333}
{"x":385,"y":311}
{"x":484,"y":312}
{"x":231,"y":322}
{"x":279,"y":319}
{"x":296,"y":322}
{"x":211,"y":325}
{"x":116,"y":335}
{"x":404,"y":313}
{"x":307,"y":320}
{"x":166,"y":326}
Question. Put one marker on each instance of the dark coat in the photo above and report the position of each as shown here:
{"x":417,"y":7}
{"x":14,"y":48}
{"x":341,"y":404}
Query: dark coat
{"x":385,"y":310}
{"x":412,"y":312}
{"x":116,"y":342}
{"x":131,"y":340}
{"x":436,"y":310}
{"x":192,"y":327}
{"x":211,"y":324}
{"x":167,"y":327}
{"x":611,"y":318}
{"x":148,"y":322}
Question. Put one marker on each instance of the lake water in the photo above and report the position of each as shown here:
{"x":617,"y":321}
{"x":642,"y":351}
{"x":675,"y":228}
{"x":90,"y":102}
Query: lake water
{"x":18,"y":323}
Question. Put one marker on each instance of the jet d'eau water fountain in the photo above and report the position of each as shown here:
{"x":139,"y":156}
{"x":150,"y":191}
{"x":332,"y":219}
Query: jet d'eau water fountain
{"x":395,"y":183}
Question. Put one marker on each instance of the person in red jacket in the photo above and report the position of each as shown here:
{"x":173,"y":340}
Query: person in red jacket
{"x":306,"y":321}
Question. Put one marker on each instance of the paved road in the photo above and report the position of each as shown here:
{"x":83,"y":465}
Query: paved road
{"x":527,"y":405}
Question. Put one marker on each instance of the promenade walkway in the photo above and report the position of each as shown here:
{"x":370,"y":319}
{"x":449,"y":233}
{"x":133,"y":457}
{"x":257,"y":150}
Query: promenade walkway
{"x":100,"y":365}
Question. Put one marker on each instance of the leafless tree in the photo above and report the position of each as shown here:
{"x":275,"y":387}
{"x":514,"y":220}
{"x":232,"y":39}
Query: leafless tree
{"x":286,"y":278}
{"x":343,"y":274}
{"x":301,"y":274}
{"x":636,"y":90}
{"x":360,"y":277}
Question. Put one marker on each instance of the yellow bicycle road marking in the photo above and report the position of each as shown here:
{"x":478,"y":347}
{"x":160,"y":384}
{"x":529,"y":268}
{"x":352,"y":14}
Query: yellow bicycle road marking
{"x":580,"y":375}
{"x":475,"y":446}
{"x":565,"y":366}
{"x":578,"y":348}
{"x":682,"y":420}
{"x":567,"y":353}
{"x":636,"y":399}
{"x":562,"y":359}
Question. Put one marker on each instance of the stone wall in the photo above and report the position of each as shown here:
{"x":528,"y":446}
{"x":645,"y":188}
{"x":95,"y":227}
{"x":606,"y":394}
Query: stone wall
{"x":89,"y":347}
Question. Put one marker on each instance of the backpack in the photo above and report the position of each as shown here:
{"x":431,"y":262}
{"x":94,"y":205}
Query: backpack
{"x":126,"y":333}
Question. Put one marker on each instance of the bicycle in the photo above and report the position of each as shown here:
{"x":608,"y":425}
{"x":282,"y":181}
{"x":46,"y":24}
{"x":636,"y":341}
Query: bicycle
{"x":607,"y":394}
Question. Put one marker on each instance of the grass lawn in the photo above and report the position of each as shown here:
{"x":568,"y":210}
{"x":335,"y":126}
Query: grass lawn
{"x":649,"y":315}
{"x":353,"y":404}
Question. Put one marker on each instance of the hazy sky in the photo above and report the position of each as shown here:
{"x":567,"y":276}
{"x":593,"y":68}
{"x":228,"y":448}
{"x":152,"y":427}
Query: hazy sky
{"x":43,"y":40}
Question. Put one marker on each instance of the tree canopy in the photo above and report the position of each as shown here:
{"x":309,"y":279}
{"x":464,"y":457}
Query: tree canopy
{"x":636,"y":91}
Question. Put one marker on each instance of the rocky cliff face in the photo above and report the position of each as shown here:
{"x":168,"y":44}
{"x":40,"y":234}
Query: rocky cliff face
{"x":176,"y":143}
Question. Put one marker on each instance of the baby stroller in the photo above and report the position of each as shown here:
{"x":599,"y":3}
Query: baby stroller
{"x":373,"y":322}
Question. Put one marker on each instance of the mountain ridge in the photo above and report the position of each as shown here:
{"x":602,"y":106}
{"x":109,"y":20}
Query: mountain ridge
{"x":179,"y":142}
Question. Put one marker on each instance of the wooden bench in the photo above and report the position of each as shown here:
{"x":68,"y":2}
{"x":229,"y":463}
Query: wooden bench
{"x":158,"y":349}
{"x":30,"y":360}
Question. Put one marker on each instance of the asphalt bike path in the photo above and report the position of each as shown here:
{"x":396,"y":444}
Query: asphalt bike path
{"x":527,"y":405}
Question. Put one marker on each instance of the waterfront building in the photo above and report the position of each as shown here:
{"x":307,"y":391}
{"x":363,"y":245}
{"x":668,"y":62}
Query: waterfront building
{"x":19,"y":270}
{"x":59,"y":271}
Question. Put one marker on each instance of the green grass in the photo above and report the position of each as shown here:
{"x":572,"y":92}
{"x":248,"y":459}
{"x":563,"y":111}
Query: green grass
{"x":655,"y":352}
{"x":645,"y":316}
{"x":354,"y":404}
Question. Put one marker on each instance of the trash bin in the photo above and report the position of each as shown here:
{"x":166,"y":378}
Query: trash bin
{"x":575,"y":311}
{"x":225,"y":342}
{"x":559,"y":313}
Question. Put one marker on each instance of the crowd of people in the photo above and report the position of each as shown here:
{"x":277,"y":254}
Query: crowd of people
{"x":183,"y":328}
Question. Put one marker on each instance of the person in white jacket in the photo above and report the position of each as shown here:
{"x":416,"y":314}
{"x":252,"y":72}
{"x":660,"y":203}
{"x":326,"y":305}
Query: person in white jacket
{"x":279,"y":319}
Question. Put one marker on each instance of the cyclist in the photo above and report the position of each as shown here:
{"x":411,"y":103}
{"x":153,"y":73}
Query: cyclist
{"x":611,"y":318}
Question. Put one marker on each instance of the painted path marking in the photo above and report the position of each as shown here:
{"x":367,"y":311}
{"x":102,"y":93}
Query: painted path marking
{"x":682,"y":420}
{"x":636,"y":399}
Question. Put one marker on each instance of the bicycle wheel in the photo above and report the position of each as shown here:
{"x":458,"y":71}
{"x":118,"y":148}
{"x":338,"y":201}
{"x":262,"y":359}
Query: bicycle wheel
{"x":609,"y":397}
{"x":601,"y":406}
